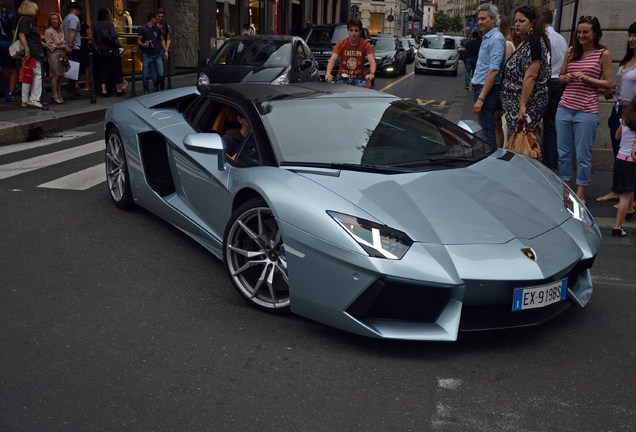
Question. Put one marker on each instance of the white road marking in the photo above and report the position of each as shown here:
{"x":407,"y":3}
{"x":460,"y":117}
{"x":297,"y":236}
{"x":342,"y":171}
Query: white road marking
{"x":13,"y":148}
{"x":35,"y":163}
{"x":80,"y":180}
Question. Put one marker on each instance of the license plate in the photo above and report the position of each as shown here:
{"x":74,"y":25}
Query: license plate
{"x":436,"y":62}
{"x":539,"y":296}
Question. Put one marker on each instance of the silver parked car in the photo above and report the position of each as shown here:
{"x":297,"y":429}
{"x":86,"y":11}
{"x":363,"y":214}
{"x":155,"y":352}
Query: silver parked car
{"x":438,"y":53}
{"x":355,"y":208}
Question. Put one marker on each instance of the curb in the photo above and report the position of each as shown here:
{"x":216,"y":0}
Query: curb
{"x":37,"y":124}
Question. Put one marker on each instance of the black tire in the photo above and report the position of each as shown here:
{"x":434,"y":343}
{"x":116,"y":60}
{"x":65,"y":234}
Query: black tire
{"x":117,"y":177}
{"x":254,"y":257}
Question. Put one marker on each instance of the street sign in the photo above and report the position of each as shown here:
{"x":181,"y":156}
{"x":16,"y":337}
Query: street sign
{"x":390,"y":18}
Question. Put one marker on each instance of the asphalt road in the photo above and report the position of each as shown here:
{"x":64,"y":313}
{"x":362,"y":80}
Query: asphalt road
{"x":114,"y":320}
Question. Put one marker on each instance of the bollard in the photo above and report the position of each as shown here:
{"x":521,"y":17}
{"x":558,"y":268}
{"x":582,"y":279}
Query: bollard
{"x":169,"y":87}
{"x":43,"y":99}
{"x":133,"y":91}
{"x":92,"y":78}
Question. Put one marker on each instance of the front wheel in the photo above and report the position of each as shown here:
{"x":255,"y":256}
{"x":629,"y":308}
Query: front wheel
{"x":254,"y":257}
{"x":117,"y":170}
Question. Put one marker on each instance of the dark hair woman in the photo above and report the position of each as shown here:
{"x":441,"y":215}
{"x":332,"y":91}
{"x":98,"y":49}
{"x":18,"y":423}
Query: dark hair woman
{"x":524,"y":88}
{"x":586,"y":69}
{"x":108,"y":72}
{"x":625,"y":90}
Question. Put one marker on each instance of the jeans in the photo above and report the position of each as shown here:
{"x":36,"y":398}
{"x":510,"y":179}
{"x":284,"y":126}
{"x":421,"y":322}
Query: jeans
{"x":578,"y":128}
{"x":550,"y":155}
{"x":487,"y":115}
{"x":152,"y":65}
{"x":470,"y":67}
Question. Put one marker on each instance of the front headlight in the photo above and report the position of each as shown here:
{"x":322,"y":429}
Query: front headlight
{"x":575,"y":206}
{"x":203,"y":80}
{"x":420,"y":55}
{"x":283,"y":79}
{"x":452,"y":57}
{"x":379,"y":241}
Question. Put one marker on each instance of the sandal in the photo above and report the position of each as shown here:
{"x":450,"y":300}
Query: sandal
{"x":58,"y":101}
{"x":610,"y":196}
{"x":619,"y":232}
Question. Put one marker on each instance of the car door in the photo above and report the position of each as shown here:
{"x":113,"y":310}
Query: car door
{"x":201,"y":182}
{"x":303,"y":54}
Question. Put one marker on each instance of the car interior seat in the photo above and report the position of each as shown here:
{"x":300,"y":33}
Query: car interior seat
{"x":225,"y":120}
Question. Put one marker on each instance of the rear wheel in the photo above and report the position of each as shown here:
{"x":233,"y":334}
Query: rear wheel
{"x":254,"y":256}
{"x":117,"y":170}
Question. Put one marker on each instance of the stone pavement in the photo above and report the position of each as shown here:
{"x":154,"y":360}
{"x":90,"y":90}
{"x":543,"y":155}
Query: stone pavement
{"x":19,"y":124}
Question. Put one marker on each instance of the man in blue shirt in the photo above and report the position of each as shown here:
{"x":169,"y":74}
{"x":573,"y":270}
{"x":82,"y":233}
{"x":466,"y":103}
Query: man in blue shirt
{"x":487,"y":77}
{"x":71,"y":26}
{"x":7,"y":64}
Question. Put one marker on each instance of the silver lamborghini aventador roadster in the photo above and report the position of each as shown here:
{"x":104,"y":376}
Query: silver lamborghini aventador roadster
{"x":355,"y":208}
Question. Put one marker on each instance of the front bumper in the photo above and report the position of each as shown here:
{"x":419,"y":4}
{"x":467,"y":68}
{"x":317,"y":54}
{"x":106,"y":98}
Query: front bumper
{"x":435,"y":65}
{"x":436,"y":290}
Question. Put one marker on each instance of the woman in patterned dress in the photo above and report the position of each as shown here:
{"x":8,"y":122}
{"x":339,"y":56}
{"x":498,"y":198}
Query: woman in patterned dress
{"x":524,"y":88}
{"x":587,"y":68}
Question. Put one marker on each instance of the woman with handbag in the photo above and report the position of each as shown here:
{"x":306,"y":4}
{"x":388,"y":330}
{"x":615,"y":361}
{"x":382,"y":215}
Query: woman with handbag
{"x":34,"y":53}
{"x":524,"y":88}
{"x":586,"y":69}
{"x":107,"y":61}
{"x":56,"y":51}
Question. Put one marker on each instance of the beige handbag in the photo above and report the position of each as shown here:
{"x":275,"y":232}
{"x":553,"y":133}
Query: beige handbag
{"x":524,"y":140}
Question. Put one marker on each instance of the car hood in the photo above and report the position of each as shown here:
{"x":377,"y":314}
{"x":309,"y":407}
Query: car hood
{"x":490,"y":202}
{"x":221,"y":74}
{"x":384,"y":53}
{"x":435,"y":53}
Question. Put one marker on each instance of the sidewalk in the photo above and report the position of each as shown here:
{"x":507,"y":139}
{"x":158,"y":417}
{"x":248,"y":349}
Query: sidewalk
{"x":19,"y":124}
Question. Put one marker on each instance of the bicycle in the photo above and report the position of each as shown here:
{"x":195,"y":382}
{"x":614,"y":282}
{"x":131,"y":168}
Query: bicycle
{"x":352,"y":80}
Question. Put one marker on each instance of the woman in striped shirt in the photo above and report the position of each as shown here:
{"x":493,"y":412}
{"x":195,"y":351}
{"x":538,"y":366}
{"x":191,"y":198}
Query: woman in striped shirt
{"x":586,"y":69}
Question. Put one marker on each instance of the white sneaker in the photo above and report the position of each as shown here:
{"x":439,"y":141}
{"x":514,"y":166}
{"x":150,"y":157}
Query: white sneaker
{"x":34,"y":104}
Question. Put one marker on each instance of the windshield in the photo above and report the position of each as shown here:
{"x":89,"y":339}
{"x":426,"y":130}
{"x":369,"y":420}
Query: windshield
{"x":382,"y":132}
{"x":439,"y":43}
{"x":254,"y":52}
{"x":327,"y":35}
{"x":384,"y":44}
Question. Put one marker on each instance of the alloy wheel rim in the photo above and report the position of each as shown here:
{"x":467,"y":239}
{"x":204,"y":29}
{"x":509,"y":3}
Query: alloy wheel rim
{"x":256,"y":259}
{"x":115,"y":172}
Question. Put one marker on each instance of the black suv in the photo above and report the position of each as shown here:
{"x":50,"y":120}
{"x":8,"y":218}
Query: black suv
{"x":321,"y":40}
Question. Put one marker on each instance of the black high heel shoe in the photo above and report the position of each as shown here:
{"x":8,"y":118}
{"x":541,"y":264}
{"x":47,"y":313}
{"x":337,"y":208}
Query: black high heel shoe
{"x":619,"y":232}
{"x":629,"y":216}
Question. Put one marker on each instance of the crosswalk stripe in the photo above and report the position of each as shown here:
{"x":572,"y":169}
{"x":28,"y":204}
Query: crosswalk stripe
{"x":80,"y":180}
{"x":38,"y":162}
{"x":13,"y":148}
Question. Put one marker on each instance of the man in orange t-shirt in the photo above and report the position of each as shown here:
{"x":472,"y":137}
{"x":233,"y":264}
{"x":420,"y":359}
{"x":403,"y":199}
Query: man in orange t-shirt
{"x":352,"y":51}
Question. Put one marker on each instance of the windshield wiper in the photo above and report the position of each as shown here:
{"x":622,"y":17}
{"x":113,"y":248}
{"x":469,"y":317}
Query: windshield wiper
{"x":444,"y":160}
{"x":349,"y":167}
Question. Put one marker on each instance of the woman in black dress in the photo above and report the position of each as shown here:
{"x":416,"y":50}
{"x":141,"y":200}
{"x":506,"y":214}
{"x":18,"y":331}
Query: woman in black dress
{"x":524,"y":88}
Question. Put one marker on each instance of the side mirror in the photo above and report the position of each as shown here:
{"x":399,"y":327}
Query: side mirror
{"x":208,"y":143}
{"x":469,"y":125}
{"x":305,"y":64}
{"x":204,"y":62}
